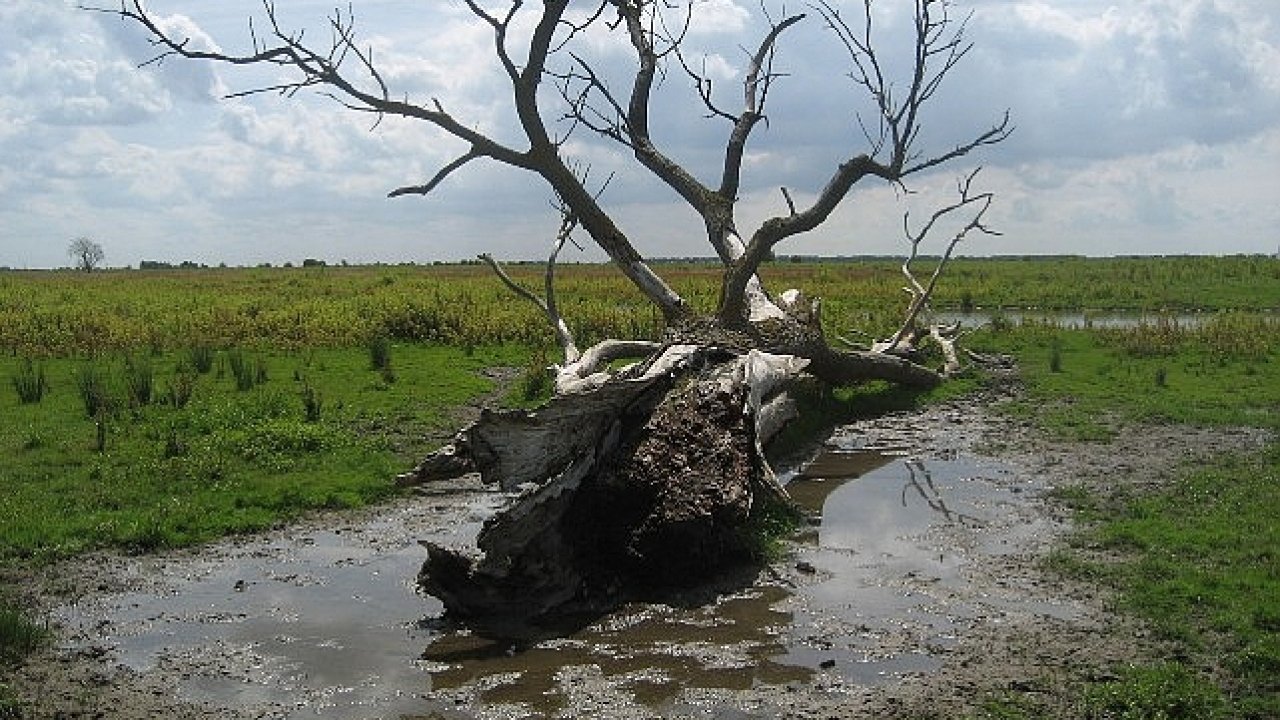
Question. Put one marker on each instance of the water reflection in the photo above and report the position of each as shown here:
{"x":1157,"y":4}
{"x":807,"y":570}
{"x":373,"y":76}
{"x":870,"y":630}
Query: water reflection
{"x":651,"y":651}
{"x":887,"y":565}
{"x":327,"y":625}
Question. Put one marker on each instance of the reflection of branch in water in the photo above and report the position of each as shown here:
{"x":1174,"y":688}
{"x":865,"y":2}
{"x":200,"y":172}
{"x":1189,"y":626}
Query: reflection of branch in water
{"x":932,"y":496}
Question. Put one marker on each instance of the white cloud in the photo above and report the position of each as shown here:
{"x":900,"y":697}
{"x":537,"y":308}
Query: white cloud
{"x":58,"y":69}
{"x":719,"y":17}
{"x":1150,"y":126}
{"x":1091,"y":80}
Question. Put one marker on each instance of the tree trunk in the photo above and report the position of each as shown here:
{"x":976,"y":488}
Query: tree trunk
{"x":639,"y":485}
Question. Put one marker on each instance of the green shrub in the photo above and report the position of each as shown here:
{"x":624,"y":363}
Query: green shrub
{"x":30,"y":382}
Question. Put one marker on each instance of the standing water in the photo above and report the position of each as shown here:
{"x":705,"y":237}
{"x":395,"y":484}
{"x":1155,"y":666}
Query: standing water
{"x":326,"y":622}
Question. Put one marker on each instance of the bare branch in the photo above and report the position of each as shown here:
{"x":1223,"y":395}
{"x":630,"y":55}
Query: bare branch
{"x":500,"y":28}
{"x":921,"y":293}
{"x":755,"y":89}
{"x":317,"y":68}
{"x":791,"y":204}
{"x":438,"y":178}
{"x":938,"y":46}
{"x":563,"y":336}
{"x":703,"y":85}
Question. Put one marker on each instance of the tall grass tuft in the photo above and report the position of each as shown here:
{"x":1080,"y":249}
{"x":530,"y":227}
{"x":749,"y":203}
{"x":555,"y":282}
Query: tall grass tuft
{"x":312,"y":402}
{"x":380,"y":352}
{"x":201,"y":358}
{"x":18,"y":634}
{"x":30,"y":382}
{"x":1055,"y":357}
{"x":244,"y":370}
{"x":259,"y":370}
{"x":139,"y":379}
{"x":95,"y":391}
{"x":174,"y":445}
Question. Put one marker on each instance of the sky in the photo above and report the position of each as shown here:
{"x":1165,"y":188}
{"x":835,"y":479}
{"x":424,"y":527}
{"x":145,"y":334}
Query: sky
{"x":1141,"y":127}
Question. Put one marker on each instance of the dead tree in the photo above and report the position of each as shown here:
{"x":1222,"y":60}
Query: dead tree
{"x":649,"y":473}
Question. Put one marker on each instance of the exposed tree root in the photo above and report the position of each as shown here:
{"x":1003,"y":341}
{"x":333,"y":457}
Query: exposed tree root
{"x":643,"y":483}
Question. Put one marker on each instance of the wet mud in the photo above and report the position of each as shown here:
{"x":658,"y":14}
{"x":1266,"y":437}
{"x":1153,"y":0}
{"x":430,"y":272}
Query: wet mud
{"x":916,"y":584}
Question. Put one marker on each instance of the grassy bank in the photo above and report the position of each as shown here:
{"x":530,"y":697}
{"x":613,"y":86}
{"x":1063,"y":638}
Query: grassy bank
{"x":1199,"y":558}
{"x":145,"y":451}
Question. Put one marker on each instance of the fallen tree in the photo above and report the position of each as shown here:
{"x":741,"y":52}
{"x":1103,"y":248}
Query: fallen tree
{"x":649,"y":474}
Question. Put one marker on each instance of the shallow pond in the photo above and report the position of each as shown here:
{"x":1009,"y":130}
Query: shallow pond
{"x":327,"y":623}
{"x":1074,"y":319}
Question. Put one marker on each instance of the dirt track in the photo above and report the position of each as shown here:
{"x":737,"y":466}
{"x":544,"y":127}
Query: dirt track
{"x":982,"y":620}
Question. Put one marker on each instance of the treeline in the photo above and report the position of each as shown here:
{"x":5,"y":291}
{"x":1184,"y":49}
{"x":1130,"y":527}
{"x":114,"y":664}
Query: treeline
{"x":189,"y":265}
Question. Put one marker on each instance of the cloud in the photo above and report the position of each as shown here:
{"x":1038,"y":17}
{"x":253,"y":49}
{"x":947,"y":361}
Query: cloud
{"x":59,"y":70}
{"x":719,"y":17}
{"x":1091,"y":81}
{"x":1142,"y":127}
{"x":189,"y":81}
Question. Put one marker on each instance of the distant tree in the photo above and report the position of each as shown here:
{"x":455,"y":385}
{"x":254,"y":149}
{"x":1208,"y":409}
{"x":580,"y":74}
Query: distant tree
{"x":85,"y":254}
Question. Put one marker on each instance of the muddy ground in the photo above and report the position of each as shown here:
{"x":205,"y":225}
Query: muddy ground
{"x":320,"y":620}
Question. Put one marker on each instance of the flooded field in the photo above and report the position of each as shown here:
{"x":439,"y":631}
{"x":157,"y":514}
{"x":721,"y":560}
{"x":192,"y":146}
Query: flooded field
{"x":326,"y":622}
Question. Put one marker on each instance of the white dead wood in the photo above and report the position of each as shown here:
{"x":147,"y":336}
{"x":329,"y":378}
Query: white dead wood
{"x":905,"y":341}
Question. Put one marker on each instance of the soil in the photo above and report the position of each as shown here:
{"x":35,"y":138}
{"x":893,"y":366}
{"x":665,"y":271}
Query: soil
{"x":983,"y":621}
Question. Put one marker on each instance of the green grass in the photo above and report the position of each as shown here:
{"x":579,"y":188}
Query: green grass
{"x":1165,"y":691}
{"x":56,"y":314}
{"x":19,"y":635}
{"x":1082,"y":384}
{"x":228,"y":460}
{"x":1008,"y":706}
{"x":1199,"y":558}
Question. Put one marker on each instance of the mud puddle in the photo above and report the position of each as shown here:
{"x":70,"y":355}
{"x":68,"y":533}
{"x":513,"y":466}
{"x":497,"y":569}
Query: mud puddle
{"x":326,"y":622}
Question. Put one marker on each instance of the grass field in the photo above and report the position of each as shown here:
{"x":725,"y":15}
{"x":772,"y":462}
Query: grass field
{"x":1199,"y":559}
{"x":151,"y":409}
{"x":209,"y":453}
{"x":59,"y":314}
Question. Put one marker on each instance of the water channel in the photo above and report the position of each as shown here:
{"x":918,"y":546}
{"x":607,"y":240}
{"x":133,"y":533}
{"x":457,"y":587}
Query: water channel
{"x":326,"y":622}
{"x":1074,"y":319}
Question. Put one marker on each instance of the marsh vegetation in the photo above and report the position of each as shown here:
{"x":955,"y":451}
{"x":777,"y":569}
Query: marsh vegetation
{"x":127,"y":425}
